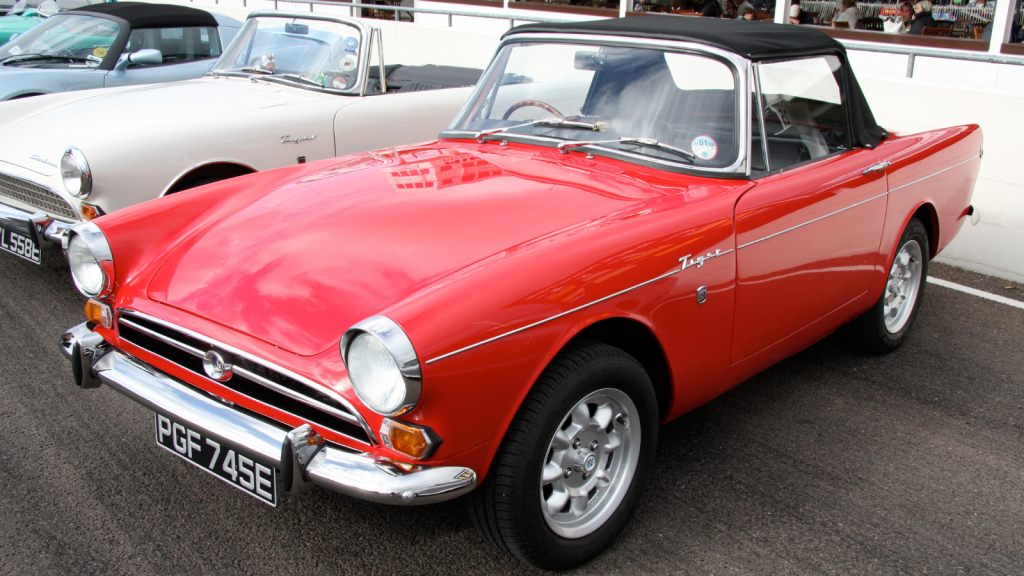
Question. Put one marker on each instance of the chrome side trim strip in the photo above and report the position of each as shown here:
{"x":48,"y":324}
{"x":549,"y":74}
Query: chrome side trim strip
{"x":228,"y":348}
{"x":813,"y":221}
{"x":667,"y":274}
{"x":566,"y":313}
{"x":859,"y":203}
{"x":935,"y":174}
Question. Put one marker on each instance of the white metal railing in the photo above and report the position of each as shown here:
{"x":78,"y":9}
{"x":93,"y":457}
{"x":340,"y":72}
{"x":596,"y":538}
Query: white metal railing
{"x":352,"y":6}
{"x":911,"y":52}
{"x":826,"y":9}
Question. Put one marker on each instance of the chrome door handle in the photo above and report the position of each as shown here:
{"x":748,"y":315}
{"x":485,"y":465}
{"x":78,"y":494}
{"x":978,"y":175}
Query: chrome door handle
{"x":876,"y":168}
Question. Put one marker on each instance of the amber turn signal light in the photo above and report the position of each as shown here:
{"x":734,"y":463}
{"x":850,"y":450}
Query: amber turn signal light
{"x":99,"y":313}
{"x":90,"y":212}
{"x":416,"y":442}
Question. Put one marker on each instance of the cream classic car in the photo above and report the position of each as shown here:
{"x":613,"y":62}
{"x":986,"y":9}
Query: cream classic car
{"x":290,"y":88}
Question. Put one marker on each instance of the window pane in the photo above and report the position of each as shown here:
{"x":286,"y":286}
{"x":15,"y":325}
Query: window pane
{"x":802,"y":104}
{"x":176,"y":44}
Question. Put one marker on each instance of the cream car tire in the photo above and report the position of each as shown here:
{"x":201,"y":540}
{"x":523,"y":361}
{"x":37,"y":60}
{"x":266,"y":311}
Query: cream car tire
{"x":574,"y":462}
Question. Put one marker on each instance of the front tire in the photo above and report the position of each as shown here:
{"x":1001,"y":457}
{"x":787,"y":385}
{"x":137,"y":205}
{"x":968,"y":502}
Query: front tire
{"x":574,"y":462}
{"x":883,"y":328}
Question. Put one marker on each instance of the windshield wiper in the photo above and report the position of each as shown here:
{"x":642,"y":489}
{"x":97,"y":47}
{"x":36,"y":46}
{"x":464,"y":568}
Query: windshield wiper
{"x":559,"y":122}
{"x":26,"y":57}
{"x":563,"y":147}
{"x":301,"y":79}
{"x":251,"y":70}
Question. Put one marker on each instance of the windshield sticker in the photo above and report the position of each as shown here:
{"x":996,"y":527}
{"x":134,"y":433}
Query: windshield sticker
{"x":351,"y":45}
{"x":16,"y":50}
{"x":704,"y":147}
{"x":348,"y":64}
{"x":339,"y":82}
{"x":99,"y":52}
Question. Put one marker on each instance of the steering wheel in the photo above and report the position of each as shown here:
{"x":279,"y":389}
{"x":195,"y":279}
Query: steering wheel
{"x":67,"y":53}
{"x":533,"y":103}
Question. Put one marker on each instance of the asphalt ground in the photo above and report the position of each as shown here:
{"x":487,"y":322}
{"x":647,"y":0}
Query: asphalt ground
{"x":831,"y":462}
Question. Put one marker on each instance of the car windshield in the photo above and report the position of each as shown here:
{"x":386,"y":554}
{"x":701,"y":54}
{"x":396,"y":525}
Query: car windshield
{"x":47,"y":7}
{"x":22,"y":5}
{"x":64,"y":40}
{"x":314,"y":54}
{"x":679,"y":107}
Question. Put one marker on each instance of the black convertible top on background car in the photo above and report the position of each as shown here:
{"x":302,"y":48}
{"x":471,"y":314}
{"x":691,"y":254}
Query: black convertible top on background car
{"x":753,"y":40}
{"x":146,"y":15}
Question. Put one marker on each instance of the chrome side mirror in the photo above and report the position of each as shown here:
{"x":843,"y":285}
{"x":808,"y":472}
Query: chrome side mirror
{"x":147,"y":57}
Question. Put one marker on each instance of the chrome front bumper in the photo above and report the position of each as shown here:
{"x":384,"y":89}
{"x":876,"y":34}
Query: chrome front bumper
{"x":349,"y":472}
{"x":39,"y":225}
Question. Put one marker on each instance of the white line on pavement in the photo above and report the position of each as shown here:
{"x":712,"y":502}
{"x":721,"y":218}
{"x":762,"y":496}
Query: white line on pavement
{"x":978,"y":293}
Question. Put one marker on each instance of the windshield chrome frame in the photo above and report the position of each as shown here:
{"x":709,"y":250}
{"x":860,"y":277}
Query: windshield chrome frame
{"x":740,"y":64}
{"x":365,"y":32}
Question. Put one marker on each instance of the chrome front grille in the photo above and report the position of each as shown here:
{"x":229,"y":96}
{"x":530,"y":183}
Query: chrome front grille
{"x":253,"y":377}
{"x":36,"y":196}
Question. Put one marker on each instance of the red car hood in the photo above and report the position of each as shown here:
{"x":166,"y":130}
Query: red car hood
{"x":299,"y":265}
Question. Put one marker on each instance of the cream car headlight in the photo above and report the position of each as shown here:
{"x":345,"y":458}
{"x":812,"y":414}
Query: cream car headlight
{"x":92,"y":264}
{"x":75,"y":172}
{"x":382,"y":366}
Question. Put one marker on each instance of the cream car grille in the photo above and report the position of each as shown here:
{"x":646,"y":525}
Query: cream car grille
{"x":253,"y":378}
{"x":36,"y":196}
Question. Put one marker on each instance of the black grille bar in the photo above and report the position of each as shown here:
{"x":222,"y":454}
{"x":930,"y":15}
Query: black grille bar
{"x":252,"y":379}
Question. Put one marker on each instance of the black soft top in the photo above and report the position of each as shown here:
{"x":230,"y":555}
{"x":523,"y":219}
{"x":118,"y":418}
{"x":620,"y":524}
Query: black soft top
{"x":753,"y":40}
{"x":146,"y":15}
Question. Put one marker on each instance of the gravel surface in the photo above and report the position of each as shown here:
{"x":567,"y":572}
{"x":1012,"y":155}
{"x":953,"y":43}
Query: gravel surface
{"x":829,"y":463}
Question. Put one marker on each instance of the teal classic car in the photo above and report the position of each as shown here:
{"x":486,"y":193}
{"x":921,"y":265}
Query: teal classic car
{"x":27,"y":13}
{"x":113,"y":44}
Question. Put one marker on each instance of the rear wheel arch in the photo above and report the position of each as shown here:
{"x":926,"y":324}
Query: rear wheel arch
{"x":928,"y":216}
{"x":208,"y":173}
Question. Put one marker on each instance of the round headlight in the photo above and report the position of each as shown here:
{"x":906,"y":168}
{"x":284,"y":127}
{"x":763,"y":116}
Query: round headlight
{"x":85,"y":268}
{"x":75,"y":172}
{"x":91,"y":261}
{"x":375,"y":375}
{"x":382,"y":366}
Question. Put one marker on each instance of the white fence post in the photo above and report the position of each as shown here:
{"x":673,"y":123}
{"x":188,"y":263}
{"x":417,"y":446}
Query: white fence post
{"x":1001,"y":23}
{"x":782,"y":11}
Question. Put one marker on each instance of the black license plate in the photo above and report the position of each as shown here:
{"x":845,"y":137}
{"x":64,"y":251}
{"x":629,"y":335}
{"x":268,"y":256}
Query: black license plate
{"x":19,"y":244}
{"x":235,"y":467}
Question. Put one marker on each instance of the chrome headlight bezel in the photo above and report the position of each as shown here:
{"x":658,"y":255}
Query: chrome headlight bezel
{"x":398,"y":344}
{"x":99,"y":250}
{"x":75,"y":168}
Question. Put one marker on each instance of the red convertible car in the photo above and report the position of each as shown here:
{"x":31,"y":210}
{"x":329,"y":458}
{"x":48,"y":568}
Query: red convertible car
{"x":628,"y":218}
